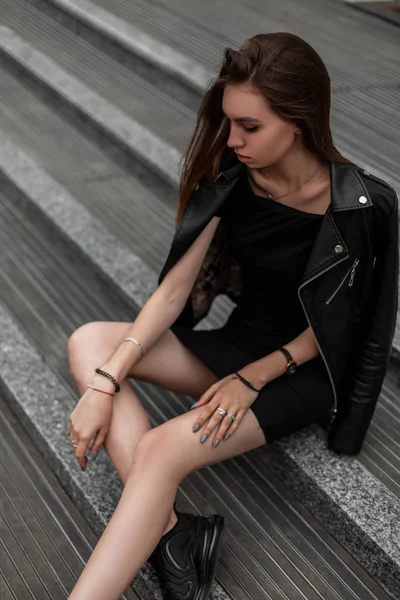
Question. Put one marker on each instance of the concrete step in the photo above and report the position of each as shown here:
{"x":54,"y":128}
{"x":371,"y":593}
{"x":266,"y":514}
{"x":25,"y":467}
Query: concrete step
{"x":118,"y":35}
{"x":41,"y":308}
{"x":388,"y":10}
{"x":45,"y":540}
{"x":144,"y":121}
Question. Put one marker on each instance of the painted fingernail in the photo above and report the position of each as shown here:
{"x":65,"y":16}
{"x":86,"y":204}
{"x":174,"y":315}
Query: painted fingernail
{"x":93,"y":456}
{"x":215,"y":443}
{"x":193,"y":405}
{"x":203,"y":439}
{"x":227,"y":436}
{"x":196,"y":428}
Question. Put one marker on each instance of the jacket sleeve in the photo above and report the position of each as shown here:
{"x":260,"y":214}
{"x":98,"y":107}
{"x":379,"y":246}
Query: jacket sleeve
{"x":348,"y":434}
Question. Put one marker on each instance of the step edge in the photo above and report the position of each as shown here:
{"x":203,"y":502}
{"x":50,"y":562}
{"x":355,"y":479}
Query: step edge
{"x":125,"y":269}
{"x":139,"y":141}
{"x":136,"y":41}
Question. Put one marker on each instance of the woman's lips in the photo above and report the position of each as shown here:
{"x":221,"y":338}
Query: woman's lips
{"x":243,"y":158}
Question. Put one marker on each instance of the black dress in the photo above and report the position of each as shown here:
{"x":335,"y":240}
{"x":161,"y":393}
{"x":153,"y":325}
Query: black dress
{"x":272,"y":242}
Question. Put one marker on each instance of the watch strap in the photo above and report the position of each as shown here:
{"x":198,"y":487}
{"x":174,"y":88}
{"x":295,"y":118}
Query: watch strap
{"x":289,"y":358}
{"x":287,"y":354}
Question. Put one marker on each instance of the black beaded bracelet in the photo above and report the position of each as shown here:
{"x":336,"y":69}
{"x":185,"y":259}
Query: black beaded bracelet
{"x":243,"y":380}
{"x":110,"y":377}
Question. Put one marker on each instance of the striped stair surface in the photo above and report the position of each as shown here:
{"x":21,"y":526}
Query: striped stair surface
{"x":44,"y":540}
{"x":97,"y":102}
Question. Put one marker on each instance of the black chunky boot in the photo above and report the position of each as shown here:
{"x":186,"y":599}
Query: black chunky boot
{"x":186,"y":557}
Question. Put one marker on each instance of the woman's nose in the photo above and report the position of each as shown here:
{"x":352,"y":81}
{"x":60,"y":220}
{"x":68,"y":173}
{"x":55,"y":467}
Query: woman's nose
{"x":234,"y":140}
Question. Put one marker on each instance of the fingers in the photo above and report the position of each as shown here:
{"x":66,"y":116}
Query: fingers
{"x":223,"y":425}
{"x":228,"y":426}
{"x":80,"y":452}
{"x":214,"y":420}
{"x":73,"y":437}
{"x":81,"y":449}
{"x":207,"y":412}
{"x":97,"y":444}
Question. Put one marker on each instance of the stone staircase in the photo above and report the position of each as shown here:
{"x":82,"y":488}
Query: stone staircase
{"x":97,"y":102}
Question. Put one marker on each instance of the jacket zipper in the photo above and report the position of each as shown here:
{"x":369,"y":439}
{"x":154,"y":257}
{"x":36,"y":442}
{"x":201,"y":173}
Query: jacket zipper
{"x":334,"y":412}
{"x":352,"y":270}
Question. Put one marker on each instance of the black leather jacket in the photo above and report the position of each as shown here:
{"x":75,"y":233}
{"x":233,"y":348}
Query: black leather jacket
{"x":349,"y":290}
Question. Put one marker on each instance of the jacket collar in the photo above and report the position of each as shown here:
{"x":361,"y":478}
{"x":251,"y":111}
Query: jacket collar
{"x":348,"y":191}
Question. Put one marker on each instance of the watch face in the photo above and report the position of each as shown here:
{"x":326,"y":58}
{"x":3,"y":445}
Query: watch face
{"x":292,"y":369}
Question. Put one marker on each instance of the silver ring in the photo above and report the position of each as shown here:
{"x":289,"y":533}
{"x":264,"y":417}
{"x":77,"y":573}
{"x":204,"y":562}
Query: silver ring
{"x":231,"y":416}
{"x":222,"y":412}
{"x":74,"y":444}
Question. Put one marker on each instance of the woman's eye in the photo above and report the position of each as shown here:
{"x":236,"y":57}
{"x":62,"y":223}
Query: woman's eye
{"x":251,"y":129}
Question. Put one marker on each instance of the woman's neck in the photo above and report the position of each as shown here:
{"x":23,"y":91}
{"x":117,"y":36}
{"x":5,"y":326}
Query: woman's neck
{"x":293,"y":174}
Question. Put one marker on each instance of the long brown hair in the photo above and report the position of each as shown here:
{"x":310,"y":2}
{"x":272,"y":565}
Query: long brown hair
{"x":293,"y":79}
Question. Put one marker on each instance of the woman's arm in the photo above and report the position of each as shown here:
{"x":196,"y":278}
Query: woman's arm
{"x":236,"y":399}
{"x":163,"y":307}
{"x":262,"y":371}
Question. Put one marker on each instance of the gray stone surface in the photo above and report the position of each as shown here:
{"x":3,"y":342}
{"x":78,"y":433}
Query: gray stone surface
{"x":161,"y":156}
{"x":43,"y":403}
{"x":128,"y":272}
{"x":363,"y":514}
{"x":138,"y":41}
{"x":109,"y":254}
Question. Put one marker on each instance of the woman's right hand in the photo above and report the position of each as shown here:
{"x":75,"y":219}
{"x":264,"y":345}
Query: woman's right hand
{"x":90,"y":419}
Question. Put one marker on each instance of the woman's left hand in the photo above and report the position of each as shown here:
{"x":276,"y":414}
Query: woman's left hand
{"x":229,"y":394}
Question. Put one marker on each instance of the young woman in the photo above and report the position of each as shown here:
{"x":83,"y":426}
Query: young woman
{"x":306,"y":243}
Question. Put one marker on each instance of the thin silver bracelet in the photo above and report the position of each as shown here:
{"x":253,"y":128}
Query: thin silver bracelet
{"x":130,"y":339}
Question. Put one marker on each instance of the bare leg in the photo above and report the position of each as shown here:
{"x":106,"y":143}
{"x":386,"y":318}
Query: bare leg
{"x":169,"y":364}
{"x":164,"y":457}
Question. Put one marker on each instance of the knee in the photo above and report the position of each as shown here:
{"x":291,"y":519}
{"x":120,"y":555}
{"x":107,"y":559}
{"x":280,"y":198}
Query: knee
{"x":159,"y":454}
{"x":77,"y":339}
{"x":85,"y":337}
{"x":151,"y":448}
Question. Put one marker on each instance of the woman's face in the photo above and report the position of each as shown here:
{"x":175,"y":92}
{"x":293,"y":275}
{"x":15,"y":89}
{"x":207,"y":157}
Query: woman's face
{"x":259,"y":137}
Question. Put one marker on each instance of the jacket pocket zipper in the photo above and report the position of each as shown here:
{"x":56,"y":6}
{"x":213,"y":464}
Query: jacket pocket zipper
{"x":351,"y":272}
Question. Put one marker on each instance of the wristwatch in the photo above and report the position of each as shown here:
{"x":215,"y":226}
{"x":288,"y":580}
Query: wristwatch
{"x":291,"y":366}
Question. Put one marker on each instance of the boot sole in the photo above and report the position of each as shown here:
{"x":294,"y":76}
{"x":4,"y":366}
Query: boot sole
{"x":212,"y":548}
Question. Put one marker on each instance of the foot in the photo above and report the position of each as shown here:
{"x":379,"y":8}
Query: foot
{"x":186,"y":557}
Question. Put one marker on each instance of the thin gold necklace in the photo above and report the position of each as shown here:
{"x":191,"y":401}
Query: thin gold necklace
{"x":271,"y":197}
